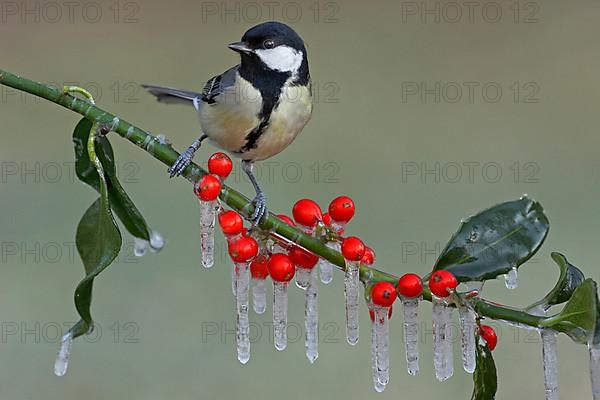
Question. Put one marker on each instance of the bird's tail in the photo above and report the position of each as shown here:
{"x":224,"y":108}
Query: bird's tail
{"x":172,"y":96}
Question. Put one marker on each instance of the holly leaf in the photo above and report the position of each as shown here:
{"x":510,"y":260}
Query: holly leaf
{"x":494,"y":241}
{"x":119,"y":201}
{"x":570,"y":279}
{"x":98,"y":242}
{"x":579,"y":316}
{"x":485,"y":379}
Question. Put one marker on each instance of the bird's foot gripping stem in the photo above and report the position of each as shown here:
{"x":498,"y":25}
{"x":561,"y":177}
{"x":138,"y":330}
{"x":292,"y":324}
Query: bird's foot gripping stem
{"x":260,"y":209}
{"x":185,"y":158}
{"x":259,"y":202}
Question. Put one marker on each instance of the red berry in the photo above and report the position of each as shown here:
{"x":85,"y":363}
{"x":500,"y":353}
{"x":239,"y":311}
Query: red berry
{"x":327,"y":219}
{"x":208,"y":188}
{"x":369,"y":257}
{"x":281,"y":268}
{"x":220,"y":164}
{"x":231,"y":222}
{"x":286,"y":219}
{"x":441,"y":282}
{"x":489,"y":335}
{"x":258,"y":267}
{"x":353,"y":248}
{"x":383,"y":294}
{"x":372,"y":313}
{"x":410,"y":285}
{"x":243,"y":249}
{"x":306,"y":212}
{"x":341,"y":209}
{"x":303,"y":258}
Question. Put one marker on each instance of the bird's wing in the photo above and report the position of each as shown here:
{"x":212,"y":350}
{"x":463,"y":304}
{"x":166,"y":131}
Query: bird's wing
{"x":217,"y":85}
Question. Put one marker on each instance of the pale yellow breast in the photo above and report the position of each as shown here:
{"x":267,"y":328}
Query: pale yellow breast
{"x":287,"y":121}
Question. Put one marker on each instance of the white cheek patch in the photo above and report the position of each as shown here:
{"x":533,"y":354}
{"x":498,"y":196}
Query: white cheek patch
{"x":281,"y":58}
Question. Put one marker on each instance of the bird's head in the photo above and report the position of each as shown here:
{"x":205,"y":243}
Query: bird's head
{"x":272,"y":46}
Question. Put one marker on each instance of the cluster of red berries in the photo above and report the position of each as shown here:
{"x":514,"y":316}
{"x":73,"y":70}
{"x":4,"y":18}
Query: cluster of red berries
{"x":441,"y":283}
{"x":307,"y":214}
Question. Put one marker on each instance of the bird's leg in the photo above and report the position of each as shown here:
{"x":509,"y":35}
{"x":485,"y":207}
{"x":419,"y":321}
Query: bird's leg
{"x":259,"y":202}
{"x":185,"y":158}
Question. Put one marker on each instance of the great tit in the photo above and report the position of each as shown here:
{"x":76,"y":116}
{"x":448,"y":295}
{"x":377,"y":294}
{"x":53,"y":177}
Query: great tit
{"x":255,"y":109}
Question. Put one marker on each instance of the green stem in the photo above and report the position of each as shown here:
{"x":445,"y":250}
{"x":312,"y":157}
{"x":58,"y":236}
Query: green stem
{"x":237,"y":201}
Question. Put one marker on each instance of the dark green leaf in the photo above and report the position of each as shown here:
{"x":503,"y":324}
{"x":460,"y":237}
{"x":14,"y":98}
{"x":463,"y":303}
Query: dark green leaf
{"x":485,"y":379}
{"x":570,"y":278}
{"x":98,"y":241}
{"x":578,"y":317}
{"x":120,"y":202}
{"x":492,"y":242}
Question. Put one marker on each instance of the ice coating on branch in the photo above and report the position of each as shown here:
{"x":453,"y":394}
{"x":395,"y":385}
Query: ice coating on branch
{"x":207,"y":232}
{"x":242,"y":323}
{"x":259,"y":296}
{"x":512,"y":279}
{"x":382,"y":339}
{"x":594,"y":350}
{"x":280,"y":314}
{"x":410,"y":308}
{"x":351,"y":289}
{"x":325,"y":267}
{"x":468,"y":327}
{"x":157,"y":241}
{"x":474,"y":286}
{"x":550,"y":361}
{"x":442,"y":345}
{"x":62,"y":359}
{"x":303,"y":277}
{"x":378,"y":386}
{"x":140,"y":247}
{"x":311,"y":318}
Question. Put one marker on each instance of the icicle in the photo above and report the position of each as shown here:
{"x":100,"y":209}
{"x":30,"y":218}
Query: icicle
{"x":511,"y":279}
{"x":468,"y":327}
{"x":442,"y":346}
{"x":207,"y":232}
{"x":242,"y":322}
{"x":280,"y":314}
{"x":382,"y":338}
{"x":157,"y":242}
{"x":234,"y":279}
{"x":411,"y":333}
{"x":550,"y":363}
{"x":62,"y":359}
{"x":140,"y":247}
{"x":378,"y":386}
{"x":351,"y":293}
{"x":259,"y":295}
{"x":594,"y":350}
{"x":325,"y":267}
{"x":303,"y":277}
{"x":311,"y":318}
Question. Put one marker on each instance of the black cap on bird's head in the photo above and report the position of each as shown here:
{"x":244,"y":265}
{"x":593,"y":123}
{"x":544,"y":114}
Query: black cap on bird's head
{"x":273,"y":46}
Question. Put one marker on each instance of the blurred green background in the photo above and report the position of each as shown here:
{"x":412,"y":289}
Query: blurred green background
{"x":529,"y":126}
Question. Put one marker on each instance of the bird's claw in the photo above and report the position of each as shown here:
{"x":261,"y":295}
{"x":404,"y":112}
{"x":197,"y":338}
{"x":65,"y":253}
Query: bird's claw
{"x":260,"y":209}
{"x":181,"y":163}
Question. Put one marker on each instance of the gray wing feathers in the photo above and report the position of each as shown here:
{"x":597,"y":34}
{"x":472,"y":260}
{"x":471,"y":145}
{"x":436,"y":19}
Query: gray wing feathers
{"x":213,"y":88}
{"x":172,"y":96}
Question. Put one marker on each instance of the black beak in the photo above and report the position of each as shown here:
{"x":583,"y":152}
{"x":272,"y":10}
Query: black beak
{"x":240,"y":47}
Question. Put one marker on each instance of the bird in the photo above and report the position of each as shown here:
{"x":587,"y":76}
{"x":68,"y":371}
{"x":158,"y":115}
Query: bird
{"x":255,"y":109}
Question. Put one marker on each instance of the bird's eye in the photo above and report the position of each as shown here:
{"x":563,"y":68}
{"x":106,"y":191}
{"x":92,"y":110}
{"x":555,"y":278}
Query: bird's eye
{"x":269,"y":44}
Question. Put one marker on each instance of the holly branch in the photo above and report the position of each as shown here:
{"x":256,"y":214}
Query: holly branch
{"x":520,"y":222}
